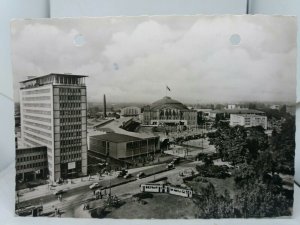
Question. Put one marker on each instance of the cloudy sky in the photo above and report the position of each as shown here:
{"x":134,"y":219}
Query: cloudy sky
{"x":132,"y":59}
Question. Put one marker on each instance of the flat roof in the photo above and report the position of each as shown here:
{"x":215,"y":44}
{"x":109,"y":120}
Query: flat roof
{"x":115,"y":137}
{"x":249,"y":115}
{"x":237,"y":111}
{"x":52,"y":74}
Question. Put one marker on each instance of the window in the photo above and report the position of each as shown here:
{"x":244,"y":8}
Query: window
{"x":42,"y":105}
{"x":37,"y":91}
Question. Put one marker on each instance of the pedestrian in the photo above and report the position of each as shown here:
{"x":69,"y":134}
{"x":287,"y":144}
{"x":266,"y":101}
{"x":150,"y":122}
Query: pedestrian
{"x":94,"y":192}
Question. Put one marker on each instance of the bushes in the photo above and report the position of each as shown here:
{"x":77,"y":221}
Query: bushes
{"x":201,"y":179}
{"x":253,"y":200}
{"x":213,"y":171}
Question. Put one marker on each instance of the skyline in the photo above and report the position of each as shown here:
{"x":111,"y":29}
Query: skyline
{"x":193,"y":55}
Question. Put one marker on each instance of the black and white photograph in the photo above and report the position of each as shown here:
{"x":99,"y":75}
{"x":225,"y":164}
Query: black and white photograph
{"x":155,"y":117}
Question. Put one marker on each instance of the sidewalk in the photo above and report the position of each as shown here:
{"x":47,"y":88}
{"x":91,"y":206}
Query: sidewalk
{"x":45,"y":190}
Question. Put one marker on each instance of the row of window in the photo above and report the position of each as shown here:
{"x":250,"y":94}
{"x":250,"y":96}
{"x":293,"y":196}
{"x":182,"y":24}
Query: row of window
{"x":38,"y":138}
{"x":41,"y":91}
{"x":69,"y":97}
{"x":30,"y":150}
{"x":29,"y":158}
{"x":48,"y":120}
{"x":37,"y":98}
{"x":70,"y":153}
{"x":38,"y":132}
{"x":70,"y":149}
{"x":70,"y":142}
{"x":31,"y":165}
{"x":70,"y":119}
{"x":70,"y":127}
{"x":152,"y":187}
{"x":70,"y":112}
{"x":69,"y":80}
{"x":41,"y":105}
{"x":37,"y":125}
{"x":42,"y":112}
{"x":69,"y":105}
{"x":69,"y":91}
{"x":70,"y":135}
{"x":73,"y":156}
{"x":179,"y":190}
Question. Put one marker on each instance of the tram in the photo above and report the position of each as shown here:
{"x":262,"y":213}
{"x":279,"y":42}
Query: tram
{"x":164,"y":188}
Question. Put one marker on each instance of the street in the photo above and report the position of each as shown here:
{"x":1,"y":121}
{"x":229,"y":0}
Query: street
{"x":72,"y":201}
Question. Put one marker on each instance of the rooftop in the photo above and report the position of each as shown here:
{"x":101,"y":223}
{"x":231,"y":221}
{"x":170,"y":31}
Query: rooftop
{"x":249,"y":115}
{"x":54,"y":79}
{"x":238,"y":111}
{"x":115,"y":137}
{"x":167,"y":102}
{"x":53,"y":74}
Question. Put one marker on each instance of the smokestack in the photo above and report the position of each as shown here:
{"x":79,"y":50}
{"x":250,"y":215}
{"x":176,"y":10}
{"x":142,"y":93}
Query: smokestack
{"x":104,"y":103}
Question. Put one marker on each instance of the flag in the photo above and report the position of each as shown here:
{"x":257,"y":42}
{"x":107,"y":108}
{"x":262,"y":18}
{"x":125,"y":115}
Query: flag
{"x":168,"y":88}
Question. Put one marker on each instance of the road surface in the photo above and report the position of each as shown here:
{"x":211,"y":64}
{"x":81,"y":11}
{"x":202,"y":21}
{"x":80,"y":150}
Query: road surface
{"x":72,"y":201}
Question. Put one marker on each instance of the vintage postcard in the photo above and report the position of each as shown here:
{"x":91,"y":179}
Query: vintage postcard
{"x":165,"y":117}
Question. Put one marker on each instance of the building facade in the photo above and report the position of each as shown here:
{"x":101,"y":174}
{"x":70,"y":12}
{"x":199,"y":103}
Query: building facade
{"x":168,"y":111}
{"x":131,"y":111}
{"x":248,"y":120}
{"x":227,"y":112}
{"x":31,"y":163}
{"x":53,"y":114}
{"x":121,"y":146}
{"x":277,"y":107}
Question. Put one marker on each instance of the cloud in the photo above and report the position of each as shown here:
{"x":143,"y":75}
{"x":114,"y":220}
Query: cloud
{"x":132,"y":59}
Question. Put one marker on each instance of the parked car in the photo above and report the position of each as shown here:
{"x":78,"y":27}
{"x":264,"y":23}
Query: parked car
{"x":128,"y":175}
{"x":94,"y":186}
{"x":59,"y":192}
{"x":140,"y":175}
{"x":170,"y":166}
{"x":121,"y":173}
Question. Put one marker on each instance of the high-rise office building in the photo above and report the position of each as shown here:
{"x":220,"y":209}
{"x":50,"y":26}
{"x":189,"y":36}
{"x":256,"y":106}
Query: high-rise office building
{"x":53,"y":114}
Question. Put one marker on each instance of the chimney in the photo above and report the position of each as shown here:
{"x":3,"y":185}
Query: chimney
{"x":104,"y":104}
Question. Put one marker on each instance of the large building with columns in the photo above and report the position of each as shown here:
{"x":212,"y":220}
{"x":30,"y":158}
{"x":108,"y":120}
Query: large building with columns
{"x":168,"y":111}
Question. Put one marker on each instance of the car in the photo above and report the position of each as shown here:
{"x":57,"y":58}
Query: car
{"x":128,"y":175}
{"x":121,"y":173}
{"x":94,"y":186}
{"x":59,"y":192}
{"x":140,"y":175}
{"x":170,"y":166}
{"x":176,"y":160}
